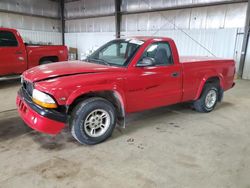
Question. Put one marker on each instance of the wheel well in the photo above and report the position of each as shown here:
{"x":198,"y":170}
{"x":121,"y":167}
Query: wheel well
{"x":108,"y":95}
{"x":213,"y":80}
{"x":49,"y":58}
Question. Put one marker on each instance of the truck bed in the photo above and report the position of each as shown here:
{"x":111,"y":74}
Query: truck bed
{"x":195,"y":68}
{"x":194,"y":59}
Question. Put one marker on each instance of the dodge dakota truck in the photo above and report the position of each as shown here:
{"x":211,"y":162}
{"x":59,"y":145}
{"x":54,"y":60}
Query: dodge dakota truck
{"x":16,"y":56}
{"x":121,"y":77}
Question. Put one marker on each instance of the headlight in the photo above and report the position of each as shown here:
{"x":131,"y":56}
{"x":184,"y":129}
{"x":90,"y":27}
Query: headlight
{"x":43,"y":99}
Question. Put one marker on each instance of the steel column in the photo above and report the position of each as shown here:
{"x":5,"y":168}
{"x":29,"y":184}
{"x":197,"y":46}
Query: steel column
{"x":245,"y":42}
{"x":62,"y":21}
{"x":118,"y":18}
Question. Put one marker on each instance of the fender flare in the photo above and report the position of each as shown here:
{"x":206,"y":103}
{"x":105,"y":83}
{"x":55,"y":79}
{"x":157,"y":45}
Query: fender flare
{"x":204,"y":80}
{"x":117,"y":93}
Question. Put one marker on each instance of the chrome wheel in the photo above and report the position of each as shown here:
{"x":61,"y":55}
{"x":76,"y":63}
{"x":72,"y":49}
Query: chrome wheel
{"x":211,"y":99}
{"x":97,"y":123}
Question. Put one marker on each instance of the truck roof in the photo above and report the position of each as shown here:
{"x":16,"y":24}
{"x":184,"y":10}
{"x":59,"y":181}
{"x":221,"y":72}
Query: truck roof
{"x":147,"y":38}
{"x":7,"y":29}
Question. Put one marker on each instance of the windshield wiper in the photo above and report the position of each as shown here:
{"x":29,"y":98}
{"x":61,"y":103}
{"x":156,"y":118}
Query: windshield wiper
{"x":98,"y":61}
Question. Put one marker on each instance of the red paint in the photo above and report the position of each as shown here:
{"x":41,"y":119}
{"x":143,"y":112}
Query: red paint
{"x":36,"y":121}
{"x":15,"y":60}
{"x":138,"y":88}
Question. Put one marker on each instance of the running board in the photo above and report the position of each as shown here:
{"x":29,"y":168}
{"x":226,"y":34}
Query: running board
{"x":14,"y":77}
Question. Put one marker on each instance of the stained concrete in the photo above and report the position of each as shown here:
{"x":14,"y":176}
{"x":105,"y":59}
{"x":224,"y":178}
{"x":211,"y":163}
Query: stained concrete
{"x":166,"y":147}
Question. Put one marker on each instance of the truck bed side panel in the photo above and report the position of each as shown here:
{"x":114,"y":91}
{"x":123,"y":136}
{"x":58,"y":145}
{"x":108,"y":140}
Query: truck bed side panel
{"x":196,"y":73}
{"x":35,"y":53}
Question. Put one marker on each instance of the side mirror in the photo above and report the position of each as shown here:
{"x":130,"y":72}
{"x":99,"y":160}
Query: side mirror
{"x":146,"y":62}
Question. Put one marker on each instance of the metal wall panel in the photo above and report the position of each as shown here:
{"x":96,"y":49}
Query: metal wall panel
{"x":41,"y":37}
{"x":104,"y":24}
{"x":221,"y":16}
{"x":136,"y":5}
{"x":28,"y":22}
{"x":87,"y":41}
{"x":221,"y":42}
{"x":37,"y":7}
{"x":89,"y":8}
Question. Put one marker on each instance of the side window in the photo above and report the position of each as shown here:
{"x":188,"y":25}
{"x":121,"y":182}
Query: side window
{"x":160,"y":52}
{"x":7,"y":39}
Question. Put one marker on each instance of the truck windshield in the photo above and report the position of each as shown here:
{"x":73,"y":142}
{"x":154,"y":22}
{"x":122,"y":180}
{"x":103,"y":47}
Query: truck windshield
{"x":116,"y":53}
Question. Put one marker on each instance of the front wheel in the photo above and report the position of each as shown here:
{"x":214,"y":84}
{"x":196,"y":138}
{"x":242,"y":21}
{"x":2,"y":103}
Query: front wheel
{"x":93,"y":121}
{"x":208,"y":99}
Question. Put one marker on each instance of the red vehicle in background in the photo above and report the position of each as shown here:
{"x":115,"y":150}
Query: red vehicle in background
{"x":121,"y":77}
{"x":16,"y":56}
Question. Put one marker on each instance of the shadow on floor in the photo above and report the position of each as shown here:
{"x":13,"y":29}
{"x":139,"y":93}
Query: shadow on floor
{"x":9,"y":84}
{"x":12,"y":128}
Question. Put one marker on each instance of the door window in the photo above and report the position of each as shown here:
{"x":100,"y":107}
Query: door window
{"x":160,"y":52}
{"x":7,"y":39}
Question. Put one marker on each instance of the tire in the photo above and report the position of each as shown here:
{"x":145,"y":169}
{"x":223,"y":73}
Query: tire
{"x":203,"y":104}
{"x":93,"y":121}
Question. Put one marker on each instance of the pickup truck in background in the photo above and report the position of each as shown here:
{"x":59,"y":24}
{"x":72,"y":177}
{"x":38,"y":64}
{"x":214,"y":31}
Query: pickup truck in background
{"x":121,"y":77}
{"x":16,"y":56}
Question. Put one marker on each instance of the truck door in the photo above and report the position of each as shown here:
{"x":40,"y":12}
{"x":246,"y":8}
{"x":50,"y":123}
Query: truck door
{"x":12,"y":54}
{"x":157,"y":85}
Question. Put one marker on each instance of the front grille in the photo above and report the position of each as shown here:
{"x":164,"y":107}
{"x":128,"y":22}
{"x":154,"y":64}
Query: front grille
{"x":22,"y":106}
{"x":28,"y":87}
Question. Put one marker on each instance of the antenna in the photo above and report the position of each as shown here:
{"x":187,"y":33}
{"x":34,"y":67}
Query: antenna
{"x":176,"y":27}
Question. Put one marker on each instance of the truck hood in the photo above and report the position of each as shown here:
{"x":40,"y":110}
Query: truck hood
{"x":67,"y":68}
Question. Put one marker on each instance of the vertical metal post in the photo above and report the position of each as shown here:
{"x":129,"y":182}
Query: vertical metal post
{"x":118,"y":18}
{"x":245,"y":42}
{"x":62,"y":20}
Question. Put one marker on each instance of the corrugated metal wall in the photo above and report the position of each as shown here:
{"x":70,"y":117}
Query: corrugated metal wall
{"x":208,"y":25}
{"x":28,"y":22}
{"x":41,"y":37}
{"x":221,"y":16}
{"x":33,"y":29}
{"x":87,"y":41}
{"x":104,"y":24}
{"x":37,"y":7}
{"x":88,"y":7}
{"x":134,"y":5}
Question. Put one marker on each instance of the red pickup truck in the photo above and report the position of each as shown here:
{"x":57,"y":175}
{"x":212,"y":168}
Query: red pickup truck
{"x":121,"y":77}
{"x":16,"y":56}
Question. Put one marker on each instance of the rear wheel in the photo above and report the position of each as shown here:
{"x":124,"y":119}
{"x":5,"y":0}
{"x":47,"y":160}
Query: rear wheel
{"x":208,"y":99}
{"x":93,"y":121}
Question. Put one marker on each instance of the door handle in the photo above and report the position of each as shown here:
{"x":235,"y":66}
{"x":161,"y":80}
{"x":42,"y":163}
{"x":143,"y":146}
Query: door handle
{"x":175,"y":74}
{"x":18,"y":52}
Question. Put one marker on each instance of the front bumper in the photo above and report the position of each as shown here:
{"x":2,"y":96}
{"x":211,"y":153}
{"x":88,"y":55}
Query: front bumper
{"x":38,"y":118}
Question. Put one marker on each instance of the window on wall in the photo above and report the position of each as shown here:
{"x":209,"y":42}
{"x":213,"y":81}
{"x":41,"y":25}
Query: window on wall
{"x":7,"y":39}
{"x":160,"y":52}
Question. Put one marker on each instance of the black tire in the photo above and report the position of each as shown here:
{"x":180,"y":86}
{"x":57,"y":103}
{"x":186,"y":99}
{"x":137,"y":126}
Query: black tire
{"x":82,"y":111}
{"x":200,"y":104}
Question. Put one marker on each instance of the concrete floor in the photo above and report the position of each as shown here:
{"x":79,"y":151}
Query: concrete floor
{"x":171,"y":147}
